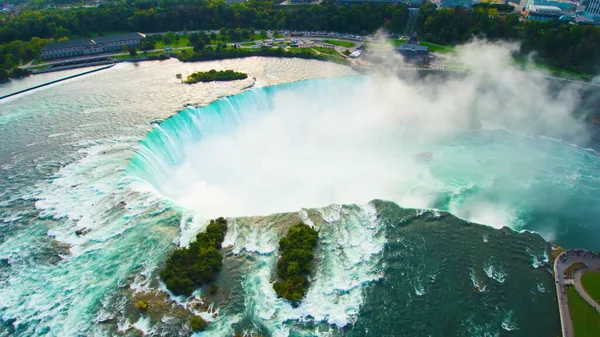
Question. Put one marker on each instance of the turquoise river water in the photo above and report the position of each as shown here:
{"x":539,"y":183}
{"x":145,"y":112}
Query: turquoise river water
{"x":104,"y":155}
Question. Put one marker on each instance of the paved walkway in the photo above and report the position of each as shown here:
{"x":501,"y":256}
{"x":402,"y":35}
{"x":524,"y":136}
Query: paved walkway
{"x":562,"y":262}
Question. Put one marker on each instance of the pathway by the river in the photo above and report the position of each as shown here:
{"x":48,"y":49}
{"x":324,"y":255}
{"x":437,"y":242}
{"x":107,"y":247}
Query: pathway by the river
{"x":561,"y":264}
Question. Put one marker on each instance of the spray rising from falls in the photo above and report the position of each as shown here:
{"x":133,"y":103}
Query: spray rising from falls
{"x":495,"y":157}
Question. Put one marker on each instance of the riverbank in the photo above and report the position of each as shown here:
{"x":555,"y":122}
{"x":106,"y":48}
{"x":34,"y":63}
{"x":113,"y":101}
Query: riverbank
{"x":55,"y":81}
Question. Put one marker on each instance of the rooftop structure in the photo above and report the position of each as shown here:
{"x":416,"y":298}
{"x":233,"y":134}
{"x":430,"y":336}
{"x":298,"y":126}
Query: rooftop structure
{"x":456,"y":3}
{"x":546,"y":10}
{"x":413,"y":50}
{"x":90,"y":46}
{"x":564,"y":5}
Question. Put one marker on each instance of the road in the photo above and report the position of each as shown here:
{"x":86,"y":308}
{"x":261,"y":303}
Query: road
{"x":562,"y":262}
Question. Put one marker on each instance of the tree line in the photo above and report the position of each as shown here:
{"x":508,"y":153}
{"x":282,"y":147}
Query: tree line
{"x":572,"y":47}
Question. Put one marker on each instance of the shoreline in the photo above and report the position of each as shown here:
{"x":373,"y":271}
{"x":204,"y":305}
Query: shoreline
{"x":56,"y":81}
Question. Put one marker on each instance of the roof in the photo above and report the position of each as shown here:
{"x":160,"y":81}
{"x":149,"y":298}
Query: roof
{"x":92,"y":41}
{"x":67,"y":44}
{"x":415,"y":47}
{"x":116,"y":38}
{"x":545,"y":8}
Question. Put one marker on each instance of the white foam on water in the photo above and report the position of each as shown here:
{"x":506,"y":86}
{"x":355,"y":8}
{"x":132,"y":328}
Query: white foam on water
{"x":419,"y":290}
{"x":191,"y":224}
{"x":144,"y":325}
{"x":347,"y":258}
{"x":89,"y":193}
{"x":538,"y":260}
{"x":509,"y":323}
{"x":541,"y":288}
{"x":495,"y":272}
{"x":305,"y":218}
{"x":478,"y":284}
{"x":331,"y":213}
{"x":243,"y":237}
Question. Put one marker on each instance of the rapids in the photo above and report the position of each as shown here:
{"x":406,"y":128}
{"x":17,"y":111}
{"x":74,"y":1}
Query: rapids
{"x":85,"y":155}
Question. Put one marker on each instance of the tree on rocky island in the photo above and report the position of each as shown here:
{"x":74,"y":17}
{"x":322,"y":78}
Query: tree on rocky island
{"x":188,"y":268}
{"x":293,"y":267}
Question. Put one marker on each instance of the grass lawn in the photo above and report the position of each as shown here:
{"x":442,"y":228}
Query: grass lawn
{"x":586,"y":321}
{"x":397,"y":43}
{"x":346,"y":44}
{"x":294,"y":49}
{"x":327,"y":51}
{"x":248,"y":44}
{"x":591,"y":283}
{"x":183,"y":42}
{"x":436,"y":48}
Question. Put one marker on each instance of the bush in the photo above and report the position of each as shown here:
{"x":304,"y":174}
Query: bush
{"x":293,"y":267}
{"x":197,"y":323}
{"x":142,"y":305}
{"x":188,"y":268}
{"x":213,"y":75}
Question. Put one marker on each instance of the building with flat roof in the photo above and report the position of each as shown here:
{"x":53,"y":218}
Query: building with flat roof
{"x":90,"y":46}
{"x":566,"y":6}
{"x":412,"y":50}
{"x":456,"y":3}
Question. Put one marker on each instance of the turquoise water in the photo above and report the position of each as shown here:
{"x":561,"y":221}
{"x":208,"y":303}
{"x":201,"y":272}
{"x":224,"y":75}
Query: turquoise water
{"x":65,"y":166}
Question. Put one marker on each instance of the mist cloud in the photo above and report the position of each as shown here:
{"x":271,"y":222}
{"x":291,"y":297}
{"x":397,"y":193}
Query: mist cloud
{"x":355,"y":140}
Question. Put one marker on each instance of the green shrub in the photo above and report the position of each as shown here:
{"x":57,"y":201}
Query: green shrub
{"x":213,"y":75}
{"x":142,"y":305}
{"x":293,"y":267}
{"x":188,"y":268}
{"x":197,"y":323}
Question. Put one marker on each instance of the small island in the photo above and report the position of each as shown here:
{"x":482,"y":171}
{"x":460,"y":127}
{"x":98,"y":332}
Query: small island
{"x":294,"y":265}
{"x":213,"y":75}
{"x":189,"y":268}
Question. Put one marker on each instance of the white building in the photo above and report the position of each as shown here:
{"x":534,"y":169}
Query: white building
{"x":566,"y":6}
{"x":456,"y":3}
{"x":96,"y":45}
{"x":593,"y":7}
{"x":545,"y":10}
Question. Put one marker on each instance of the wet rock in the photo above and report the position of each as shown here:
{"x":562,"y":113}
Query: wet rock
{"x":82,"y":232}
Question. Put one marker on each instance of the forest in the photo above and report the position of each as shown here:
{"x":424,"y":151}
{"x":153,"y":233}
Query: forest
{"x":573,"y":47}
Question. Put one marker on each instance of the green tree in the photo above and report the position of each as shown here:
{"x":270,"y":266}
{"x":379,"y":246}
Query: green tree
{"x":132,"y":51}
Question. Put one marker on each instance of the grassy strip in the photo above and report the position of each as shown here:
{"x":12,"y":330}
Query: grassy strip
{"x":183,"y":42}
{"x":293,"y":266}
{"x":572,"y":268}
{"x":436,"y":48}
{"x":346,"y":44}
{"x":591,"y":283}
{"x":188,"y":268}
{"x":327,"y":51}
{"x":586,"y":320}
